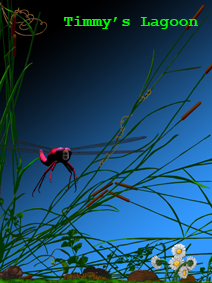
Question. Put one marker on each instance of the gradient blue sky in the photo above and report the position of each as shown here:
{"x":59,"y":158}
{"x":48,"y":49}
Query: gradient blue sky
{"x":83,"y":80}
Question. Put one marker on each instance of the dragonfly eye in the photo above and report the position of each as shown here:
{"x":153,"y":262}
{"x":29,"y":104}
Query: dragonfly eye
{"x":65,"y":155}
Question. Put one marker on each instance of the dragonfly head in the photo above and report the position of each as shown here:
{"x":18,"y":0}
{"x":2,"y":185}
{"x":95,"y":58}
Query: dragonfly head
{"x":65,"y":155}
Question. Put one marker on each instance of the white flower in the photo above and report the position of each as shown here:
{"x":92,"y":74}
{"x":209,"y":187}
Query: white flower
{"x":179,"y":250}
{"x":183,"y":272}
{"x":153,"y":262}
{"x":176,"y":262}
{"x":194,"y":263}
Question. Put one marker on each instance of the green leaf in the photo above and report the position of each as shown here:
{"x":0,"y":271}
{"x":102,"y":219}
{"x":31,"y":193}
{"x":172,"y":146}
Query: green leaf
{"x":3,"y":78}
{"x":65,"y":244}
{"x":82,"y":261}
{"x":200,"y":184}
{"x":73,"y":259}
{"x":64,"y":264}
{"x":76,"y":239}
{"x":53,"y":262}
{"x":71,"y":233}
{"x":20,"y":215}
{"x":77,"y":247}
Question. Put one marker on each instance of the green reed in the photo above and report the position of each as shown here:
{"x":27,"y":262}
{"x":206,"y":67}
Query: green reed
{"x":12,"y":224}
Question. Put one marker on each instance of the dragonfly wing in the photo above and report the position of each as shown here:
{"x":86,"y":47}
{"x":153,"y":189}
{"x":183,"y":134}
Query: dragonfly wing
{"x":75,"y":148}
{"x":21,"y":149}
{"x":28,"y":143}
{"x":126,"y":151}
{"x":105,"y":143}
{"x":104,"y":152}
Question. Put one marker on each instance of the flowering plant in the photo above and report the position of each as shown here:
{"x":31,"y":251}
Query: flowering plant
{"x":176,"y":263}
{"x":72,"y":239}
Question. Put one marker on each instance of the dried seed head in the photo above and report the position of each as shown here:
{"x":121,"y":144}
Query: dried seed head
{"x":14,"y":45}
{"x":13,"y":26}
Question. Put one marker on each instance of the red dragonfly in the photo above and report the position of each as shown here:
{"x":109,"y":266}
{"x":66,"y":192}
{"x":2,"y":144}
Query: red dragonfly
{"x":61,"y":154}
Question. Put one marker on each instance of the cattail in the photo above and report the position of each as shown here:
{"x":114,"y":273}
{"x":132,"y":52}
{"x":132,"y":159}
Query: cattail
{"x":127,"y":186}
{"x":121,"y":197}
{"x":13,"y":26}
{"x":196,"y":15}
{"x":105,"y":187}
{"x":96,"y":198}
{"x":208,"y":69}
{"x":191,"y":110}
{"x":14,"y":45}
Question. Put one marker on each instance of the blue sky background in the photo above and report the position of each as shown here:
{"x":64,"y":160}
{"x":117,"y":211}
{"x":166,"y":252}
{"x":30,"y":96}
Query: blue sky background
{"x":83,"y":80}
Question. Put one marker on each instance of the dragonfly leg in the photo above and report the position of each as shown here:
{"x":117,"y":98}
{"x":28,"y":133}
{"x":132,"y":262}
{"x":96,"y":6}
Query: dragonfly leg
{"x":42,"y":178}
{"x":54,"y":164}
{"x":71,"y":169}
{"x":69,"y":180}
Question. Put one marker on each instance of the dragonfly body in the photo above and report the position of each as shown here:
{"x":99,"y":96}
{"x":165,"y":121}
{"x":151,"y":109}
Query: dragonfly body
{"x":63,"y":154}
{"x":60,"y":154}
{"x":56,"y":155}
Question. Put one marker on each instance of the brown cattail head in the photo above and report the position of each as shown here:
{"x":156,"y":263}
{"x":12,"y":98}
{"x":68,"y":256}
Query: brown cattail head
{"x":126,"y":186}
{"x":14,"y":45}
{"x":191,"y":110}
{"x":13,"y":26}
{"x":96,"y":198}
{"x":105,"y":187}
{"x":121,"y":197}
{"x":208,"y":69}
{"x":196,"y":15}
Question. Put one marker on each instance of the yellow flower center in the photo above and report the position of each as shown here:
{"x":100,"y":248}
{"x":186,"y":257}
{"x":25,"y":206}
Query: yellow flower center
{"x":179,"y":251}
{"x":184,"y":272}
{"x":177,"y":263}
